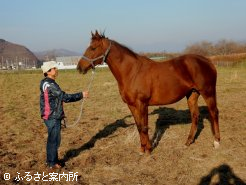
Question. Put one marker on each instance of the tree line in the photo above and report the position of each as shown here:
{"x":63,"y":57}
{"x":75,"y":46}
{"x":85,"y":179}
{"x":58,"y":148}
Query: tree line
{"x":221,"y":51}
{"x":222,"y":47}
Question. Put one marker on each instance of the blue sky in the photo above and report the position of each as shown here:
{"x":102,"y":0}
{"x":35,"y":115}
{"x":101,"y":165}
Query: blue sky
{"x":143,"y":25}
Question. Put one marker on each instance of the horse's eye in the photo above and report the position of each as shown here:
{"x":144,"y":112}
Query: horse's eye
{"x":93,"y":49}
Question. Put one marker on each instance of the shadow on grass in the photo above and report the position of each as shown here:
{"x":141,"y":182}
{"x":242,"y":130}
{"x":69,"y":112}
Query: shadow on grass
{"x":105,"y":132}
{"x":222,"y":174}
{"x":167,"y":117}
{"x":170,"y":116}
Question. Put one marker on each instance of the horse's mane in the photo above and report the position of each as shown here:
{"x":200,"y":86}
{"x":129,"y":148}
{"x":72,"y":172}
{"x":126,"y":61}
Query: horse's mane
{"x":128,"y":50}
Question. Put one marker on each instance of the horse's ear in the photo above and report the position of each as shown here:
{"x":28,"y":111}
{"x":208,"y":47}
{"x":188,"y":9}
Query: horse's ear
{"x":103,"y":34}
{"x":96,"y":33}
{"x":92,"y":35}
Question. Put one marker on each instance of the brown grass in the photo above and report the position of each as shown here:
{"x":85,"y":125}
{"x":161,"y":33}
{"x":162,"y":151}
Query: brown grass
{"x":103,"y":147}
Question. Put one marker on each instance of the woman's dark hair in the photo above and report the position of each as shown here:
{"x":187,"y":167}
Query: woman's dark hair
{"x":45,"y":74}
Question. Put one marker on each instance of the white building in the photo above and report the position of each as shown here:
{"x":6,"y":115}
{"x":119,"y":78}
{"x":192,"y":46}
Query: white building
{"x":70,"y":62}
{"x":67,"y":62}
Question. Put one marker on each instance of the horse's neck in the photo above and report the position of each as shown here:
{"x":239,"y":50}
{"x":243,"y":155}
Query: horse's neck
{"x":122,"y":64}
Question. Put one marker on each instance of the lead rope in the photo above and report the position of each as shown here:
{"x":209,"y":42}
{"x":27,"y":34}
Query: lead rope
{"x":82,"y":103}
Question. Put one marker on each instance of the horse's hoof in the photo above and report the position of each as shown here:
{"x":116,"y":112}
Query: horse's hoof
{"x":187,"y":143}
{"x":216,"y":144}
{"x":141,"y":153}
{"x":148,"y":152}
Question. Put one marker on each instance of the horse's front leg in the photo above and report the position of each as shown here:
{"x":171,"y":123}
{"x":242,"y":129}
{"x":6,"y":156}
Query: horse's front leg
{"x":140,"y":114}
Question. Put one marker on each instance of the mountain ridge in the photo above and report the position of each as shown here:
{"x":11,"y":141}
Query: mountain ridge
{"x":14,"y":55}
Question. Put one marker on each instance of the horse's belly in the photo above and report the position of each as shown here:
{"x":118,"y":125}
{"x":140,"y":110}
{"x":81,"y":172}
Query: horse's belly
{"x":167,"y":97}
{"x":164,"y":101}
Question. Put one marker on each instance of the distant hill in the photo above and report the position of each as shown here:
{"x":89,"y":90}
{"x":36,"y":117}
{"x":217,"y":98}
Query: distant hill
{"x":52,"y":54}
{"x":16,"y":56}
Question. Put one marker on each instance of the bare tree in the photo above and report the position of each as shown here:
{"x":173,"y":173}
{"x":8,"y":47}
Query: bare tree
{"x":222,"y":47}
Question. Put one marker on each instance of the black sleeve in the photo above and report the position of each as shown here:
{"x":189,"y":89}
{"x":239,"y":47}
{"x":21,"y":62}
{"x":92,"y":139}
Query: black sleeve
{"x":72,"y":97}
{"x":57,"y":92}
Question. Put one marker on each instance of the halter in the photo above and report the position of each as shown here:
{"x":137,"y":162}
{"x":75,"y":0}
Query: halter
{"x":92,"y":77}
{"x":95,"y":59}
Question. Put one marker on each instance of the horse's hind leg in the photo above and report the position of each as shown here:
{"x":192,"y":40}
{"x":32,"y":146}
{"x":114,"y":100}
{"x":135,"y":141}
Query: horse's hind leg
{"x":214,"y":114}
{"x":192,"y":99}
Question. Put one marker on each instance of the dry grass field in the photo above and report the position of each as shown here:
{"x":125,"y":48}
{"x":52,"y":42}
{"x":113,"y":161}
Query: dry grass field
{"x":103,"y":148}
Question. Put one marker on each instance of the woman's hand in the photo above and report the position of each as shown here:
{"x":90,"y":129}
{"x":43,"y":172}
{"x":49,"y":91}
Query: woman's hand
{"x":85,"y":94}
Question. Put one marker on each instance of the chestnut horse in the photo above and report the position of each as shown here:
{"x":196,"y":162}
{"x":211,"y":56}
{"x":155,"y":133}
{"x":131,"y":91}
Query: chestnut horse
{"x":143,"y":82}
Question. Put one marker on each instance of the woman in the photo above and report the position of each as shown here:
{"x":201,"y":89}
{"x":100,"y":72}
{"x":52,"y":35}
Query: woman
{"x":51,"y":109}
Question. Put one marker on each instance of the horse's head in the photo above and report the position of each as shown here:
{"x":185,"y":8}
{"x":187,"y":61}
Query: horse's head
{"x":95,"y":54}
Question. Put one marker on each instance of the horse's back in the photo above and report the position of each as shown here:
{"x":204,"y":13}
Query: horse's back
{"x":194,"y":67}
{"x":175,"y":78}
{"x":202,"y":71}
